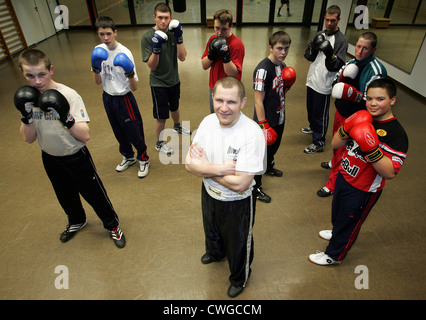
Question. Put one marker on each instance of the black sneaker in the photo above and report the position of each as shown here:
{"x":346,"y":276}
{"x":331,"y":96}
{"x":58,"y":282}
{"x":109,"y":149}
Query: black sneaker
{"x":312,"y":148}
{"x":234,"y":290}
{"x":326,"y":165}
{"x":118,"y":236}
{"x":71,"y":230}
{"x":324,"y":192}
{"x":261,"y":196}
{"x":307,"y":130}
{"x":274,"y":172}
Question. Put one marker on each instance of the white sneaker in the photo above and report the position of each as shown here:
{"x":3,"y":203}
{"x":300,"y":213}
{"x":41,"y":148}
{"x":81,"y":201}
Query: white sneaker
{"x":181,"y":130}
{"x":127,"y":162}
{"x":164,"y":148}
{"x":325,"y":234}
{"x":143,"y":169}
{"x":322,"y":259}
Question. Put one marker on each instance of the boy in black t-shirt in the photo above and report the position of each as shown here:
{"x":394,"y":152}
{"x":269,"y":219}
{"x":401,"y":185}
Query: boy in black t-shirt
{"x":375,"y":147}
{"x":269,"y":100}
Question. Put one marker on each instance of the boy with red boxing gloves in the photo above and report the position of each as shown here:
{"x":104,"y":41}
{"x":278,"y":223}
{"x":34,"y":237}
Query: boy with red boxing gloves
{"x":374,"y":149}
{"x":271,"y":80}
{"x":349,"y":89}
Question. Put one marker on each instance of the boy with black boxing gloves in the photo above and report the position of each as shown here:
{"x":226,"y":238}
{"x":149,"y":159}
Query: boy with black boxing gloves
{"x":56,"y":116}
{"x":224,"y":53}
{"x":375,"y":147}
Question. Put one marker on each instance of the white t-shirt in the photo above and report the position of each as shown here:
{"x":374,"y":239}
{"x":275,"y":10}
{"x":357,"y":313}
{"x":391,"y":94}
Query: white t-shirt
{"x":244,"y":143}
{"x":114,"y":81}
{"x":53,"y":137}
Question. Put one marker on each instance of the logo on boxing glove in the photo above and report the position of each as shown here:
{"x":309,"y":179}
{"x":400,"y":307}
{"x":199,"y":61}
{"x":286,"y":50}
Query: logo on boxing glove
{"x":371,"y":141}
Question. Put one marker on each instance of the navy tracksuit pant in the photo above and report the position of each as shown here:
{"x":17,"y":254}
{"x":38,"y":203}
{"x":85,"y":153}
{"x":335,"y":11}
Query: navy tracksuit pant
{"x":350,"y":208}
{"x":126,"y":123}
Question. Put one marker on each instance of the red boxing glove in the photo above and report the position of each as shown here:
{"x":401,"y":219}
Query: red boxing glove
{"x":346,"y":92}
{"x":356,"y":118}
{"x":350,"y":72}
{"x":269,"y":133}
{"x":365,"y":135}
{"x":289,"y":76}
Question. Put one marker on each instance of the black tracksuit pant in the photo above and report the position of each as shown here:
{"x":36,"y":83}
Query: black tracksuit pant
{"x":228,"y":232}
{"x":75,"y":175}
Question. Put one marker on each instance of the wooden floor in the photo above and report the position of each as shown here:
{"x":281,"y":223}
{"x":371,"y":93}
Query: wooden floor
{"x":161,"y":214}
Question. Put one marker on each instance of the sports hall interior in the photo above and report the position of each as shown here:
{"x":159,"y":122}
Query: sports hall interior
{"x":161,"y":214}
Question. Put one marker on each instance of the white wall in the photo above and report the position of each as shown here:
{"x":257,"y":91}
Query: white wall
{"x":36,"y":25}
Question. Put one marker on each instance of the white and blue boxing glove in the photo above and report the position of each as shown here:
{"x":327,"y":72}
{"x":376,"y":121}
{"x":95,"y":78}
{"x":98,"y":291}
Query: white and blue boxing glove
{"x":176,"y":28}
{"x":157,"y":40}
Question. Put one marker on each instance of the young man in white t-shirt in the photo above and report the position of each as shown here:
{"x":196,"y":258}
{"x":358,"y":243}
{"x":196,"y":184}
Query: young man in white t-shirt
{"x":228,"y":150}
{"x":113,"y":66}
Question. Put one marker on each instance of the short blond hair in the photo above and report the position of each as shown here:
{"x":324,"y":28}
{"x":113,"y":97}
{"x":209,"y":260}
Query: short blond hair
{"x":231,"y":82}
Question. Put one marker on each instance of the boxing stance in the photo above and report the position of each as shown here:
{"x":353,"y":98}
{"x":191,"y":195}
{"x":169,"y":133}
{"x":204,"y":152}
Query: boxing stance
{"x":327,"y":52}
{"x":162,"y":46}
{"x":271,"y":80}
{"x":349,"y":91}
{"x":224,"y":53}
{"x":56,"y":116}
{"x":113,"y":67}
{"x":374,"y":147}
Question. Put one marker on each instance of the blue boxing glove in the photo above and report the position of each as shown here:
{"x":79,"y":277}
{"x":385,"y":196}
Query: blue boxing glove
{"x":98,"y":55}
{"x":121,"y":60}
{"x":176,"y":28}
{"x":157,"y":41}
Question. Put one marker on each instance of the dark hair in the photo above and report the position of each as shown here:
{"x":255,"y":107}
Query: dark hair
{"x":384,"y":83}
{"x":224,"y":16}
{"x":370,"y":36}
{"x":34,"y":57}
{"x":105,"y":22}
{"x":279,"y":37}
{"x":162,"y":7}
{"x":333,"y":10}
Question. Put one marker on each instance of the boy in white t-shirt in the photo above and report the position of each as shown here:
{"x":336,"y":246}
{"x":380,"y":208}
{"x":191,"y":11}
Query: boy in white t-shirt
{"x":228,"y":150}
{"x":113,"y":66}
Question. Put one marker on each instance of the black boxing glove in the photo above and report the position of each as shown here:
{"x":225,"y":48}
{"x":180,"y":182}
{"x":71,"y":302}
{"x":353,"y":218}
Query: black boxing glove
{"x":53,"y":100}
{"x":212,"y":53}
{"x":25,"y":99}
{"x":221,"y":47}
